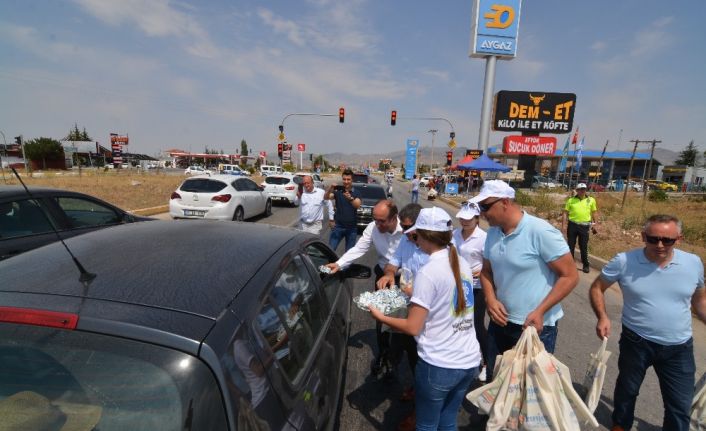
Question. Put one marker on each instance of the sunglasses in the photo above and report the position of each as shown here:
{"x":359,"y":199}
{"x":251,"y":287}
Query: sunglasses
{"x":485,"y":207}
{"x":406,"y":226}
{"x":656,"y":239}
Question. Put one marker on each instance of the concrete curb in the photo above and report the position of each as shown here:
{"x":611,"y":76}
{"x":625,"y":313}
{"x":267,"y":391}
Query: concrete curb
{"x":151,"y":211}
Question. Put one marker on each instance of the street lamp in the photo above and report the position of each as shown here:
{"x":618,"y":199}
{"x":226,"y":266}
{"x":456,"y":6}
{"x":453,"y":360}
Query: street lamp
{"x":433,"y":135}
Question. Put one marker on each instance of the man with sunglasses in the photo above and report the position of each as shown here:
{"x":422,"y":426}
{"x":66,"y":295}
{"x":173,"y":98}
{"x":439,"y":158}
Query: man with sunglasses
{"x":385,"y":234}
{"x":527,"y":271}
{"x":659,"y":284}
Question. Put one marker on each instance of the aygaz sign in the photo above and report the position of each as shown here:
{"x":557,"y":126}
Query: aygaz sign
{"x":535,"y":112}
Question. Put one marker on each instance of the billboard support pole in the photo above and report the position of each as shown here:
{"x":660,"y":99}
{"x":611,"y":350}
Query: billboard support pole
{"x":489,"y":84}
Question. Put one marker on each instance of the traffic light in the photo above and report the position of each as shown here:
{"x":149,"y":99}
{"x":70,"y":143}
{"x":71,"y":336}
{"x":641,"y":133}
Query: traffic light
{"x":311,"y":157}
{"x":449,"y":157}
{"x":393,"y":118}
{"x":18,"y":140}
{"x":279,"y":150}
{"x":341,"y":115}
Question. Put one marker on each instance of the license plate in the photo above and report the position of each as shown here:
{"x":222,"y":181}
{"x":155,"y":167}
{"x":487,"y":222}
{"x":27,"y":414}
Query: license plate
{"x":194,"y":213}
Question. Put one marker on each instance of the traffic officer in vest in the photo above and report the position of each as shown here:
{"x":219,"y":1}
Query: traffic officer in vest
{"x":581,"y":212}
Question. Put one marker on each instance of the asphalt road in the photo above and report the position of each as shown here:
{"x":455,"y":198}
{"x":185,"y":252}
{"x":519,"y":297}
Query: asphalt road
{"x":371,"y":404}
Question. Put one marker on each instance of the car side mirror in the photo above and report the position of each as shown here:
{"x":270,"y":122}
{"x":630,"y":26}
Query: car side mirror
{"x":356,"y":270}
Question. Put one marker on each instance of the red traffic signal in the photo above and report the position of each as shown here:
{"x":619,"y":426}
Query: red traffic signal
{"x":279,"y":150}
{"x":449,"y":157}
{"x":393,"y":118}
{"x":341,"y":115}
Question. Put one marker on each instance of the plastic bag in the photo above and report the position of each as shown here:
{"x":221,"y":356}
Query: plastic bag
{"x":698,"y":406}
{"x":532,"y":390}
{"x":595,"y":376}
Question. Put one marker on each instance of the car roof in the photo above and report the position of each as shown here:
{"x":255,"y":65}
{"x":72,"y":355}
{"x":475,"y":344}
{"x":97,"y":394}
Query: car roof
{"x":227,"y":178}
{"x":159,"y":264}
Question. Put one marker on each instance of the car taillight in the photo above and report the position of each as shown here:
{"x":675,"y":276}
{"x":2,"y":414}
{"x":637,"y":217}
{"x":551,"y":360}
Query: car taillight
{"x":289,"y":187}
{"x":53,"y":319}
{"x":221,"y":198}
{"x":175,"y":195}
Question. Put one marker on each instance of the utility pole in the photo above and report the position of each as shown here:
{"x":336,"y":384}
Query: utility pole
{"x":632,"y":160}
{"x":433,"y":135}
{"x":627,"y":179}
{"x":649,"y":169}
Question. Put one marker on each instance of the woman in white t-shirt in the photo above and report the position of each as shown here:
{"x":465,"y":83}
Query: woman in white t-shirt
{"x":441,"y":319}
{"x":470,"y":241}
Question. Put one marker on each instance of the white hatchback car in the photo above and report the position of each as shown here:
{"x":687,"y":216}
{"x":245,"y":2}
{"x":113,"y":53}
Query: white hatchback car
{"x":219,"y":197}
{"x":196,"y":170}
{"x":282,"y":187}
{"x":318,"y":182}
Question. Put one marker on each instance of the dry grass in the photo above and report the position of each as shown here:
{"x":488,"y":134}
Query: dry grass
{"x":130,"y":190}
{"x":620,"y":228}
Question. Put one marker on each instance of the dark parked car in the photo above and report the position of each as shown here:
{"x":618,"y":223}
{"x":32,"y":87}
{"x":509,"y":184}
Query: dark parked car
{"x":185,"y":326}
{"x":362,"y":178}
{"x":25,"y":222}
{"x":371,"y":194}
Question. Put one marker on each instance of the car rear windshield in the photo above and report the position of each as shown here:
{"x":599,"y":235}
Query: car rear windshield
{"x":51,"y":377}
{"x":360,"y":178}
{"x":371,"y":192}
{"x":277,"y":180}
{"x":202,"y":185}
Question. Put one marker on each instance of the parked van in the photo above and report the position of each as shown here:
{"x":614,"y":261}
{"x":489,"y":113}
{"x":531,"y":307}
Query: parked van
{"x":266,"y":170}
{"x":231,"y":169}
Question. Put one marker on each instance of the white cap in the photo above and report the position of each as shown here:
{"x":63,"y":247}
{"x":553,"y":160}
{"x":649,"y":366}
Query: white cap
{"x":468,"y":211}
{"x":581,"y":186}
{"x":494,"y":189}
{"x":434,"y":219}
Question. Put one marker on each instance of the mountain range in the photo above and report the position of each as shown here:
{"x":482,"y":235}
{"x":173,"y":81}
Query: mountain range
{"x":664,"y":156}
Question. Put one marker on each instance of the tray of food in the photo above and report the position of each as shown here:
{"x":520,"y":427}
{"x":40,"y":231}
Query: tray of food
{"x":391,"y":302}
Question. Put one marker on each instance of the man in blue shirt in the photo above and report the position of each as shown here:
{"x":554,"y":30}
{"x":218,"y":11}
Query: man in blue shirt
{"x":659,"y":284}
{"x":527,"y":270}
{"x":347,"y":203}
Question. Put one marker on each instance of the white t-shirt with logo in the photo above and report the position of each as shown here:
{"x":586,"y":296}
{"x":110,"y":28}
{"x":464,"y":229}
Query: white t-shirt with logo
{"x":447,"y":340}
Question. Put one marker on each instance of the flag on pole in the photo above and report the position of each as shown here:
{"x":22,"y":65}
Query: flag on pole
{"x":564,"y":156}
{"x":579,"y":155}
{"x":603,"y":154}
{"x":576,"y":136}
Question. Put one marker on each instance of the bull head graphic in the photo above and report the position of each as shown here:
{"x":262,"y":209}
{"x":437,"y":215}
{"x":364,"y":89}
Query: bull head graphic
{"x":536,"y":99}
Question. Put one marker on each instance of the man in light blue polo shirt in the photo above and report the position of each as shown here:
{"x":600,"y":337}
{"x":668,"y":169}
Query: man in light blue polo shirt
{"x":527,"y":270}
{"x":659,"y":283}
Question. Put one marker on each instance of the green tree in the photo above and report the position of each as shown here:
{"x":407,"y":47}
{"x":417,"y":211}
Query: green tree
{"x":44,"y":149}
{"x":244,"y":152}
{"x":688,"y":157}
{"x":77,"y":135}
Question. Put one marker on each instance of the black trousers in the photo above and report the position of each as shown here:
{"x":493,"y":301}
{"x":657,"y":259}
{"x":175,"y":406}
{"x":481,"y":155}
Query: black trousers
{"x":574,"y":231}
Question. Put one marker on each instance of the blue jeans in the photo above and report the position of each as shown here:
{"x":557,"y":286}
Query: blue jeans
{"x":340,"y":232}
{"x":438,"y":393}
{"x":675,"y":368}
{"x":503,"y":338}
{"x":415,"y":196}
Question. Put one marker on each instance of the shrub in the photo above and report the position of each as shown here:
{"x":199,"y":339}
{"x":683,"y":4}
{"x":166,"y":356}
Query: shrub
{"x":657,"y":195}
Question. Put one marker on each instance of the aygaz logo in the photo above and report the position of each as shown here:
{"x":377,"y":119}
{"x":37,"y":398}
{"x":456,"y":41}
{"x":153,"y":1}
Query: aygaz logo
{"x":495,"y":27}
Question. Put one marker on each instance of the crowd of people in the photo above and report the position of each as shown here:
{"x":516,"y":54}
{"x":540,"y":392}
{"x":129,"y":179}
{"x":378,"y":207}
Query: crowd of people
{"x":517,"y":273}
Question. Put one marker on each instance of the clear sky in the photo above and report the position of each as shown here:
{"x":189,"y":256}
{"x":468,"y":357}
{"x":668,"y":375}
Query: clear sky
{"x":190,"y":74}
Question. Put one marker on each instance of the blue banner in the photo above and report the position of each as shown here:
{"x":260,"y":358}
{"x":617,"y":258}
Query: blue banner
{"x":410,"y":161}
{"x":579,"y":156}
{"x":564,"y":155}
